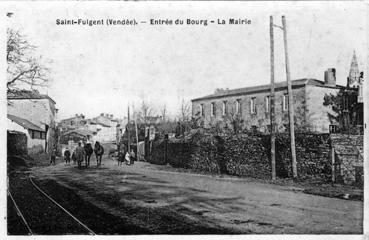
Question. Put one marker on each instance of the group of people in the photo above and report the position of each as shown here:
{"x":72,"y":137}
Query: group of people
{"x":77,"y":155}
{"x":128,"y":157}
{"x":84,"y":152}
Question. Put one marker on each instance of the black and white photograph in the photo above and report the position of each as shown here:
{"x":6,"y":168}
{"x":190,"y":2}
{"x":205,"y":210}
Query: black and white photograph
{"x":185,"y":118}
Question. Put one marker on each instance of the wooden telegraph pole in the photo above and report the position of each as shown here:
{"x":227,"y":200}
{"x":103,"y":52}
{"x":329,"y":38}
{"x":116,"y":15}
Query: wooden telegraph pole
{"x":128,"y":134}
{"x":272,"y":107}
{"x":290,"y":101}
{"x":136,"y":135}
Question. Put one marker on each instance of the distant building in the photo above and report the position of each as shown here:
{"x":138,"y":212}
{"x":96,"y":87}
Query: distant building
{"x":33,"y":109}
{"x":251,"y":106}
{"x":106,"y":127}
{"x":154,"y":120}
{"x":103,"y":128}
{"x":72,"y":123}
{"x":77,"y":135}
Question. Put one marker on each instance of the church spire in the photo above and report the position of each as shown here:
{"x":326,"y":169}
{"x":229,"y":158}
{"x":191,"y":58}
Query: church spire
{"x":354,"y":74}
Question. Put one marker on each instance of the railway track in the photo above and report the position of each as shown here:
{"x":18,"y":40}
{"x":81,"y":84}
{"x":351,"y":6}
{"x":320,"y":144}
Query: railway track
{"x":36,"y":222}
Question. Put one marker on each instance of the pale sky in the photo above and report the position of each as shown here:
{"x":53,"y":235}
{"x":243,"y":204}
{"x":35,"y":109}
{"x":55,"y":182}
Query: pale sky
{"x":104,"y":68}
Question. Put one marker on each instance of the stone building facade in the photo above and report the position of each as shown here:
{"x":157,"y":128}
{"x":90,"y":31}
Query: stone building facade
{"x":250,"y":107}
{"x":72,"y":123}
{"x":39,"y":109}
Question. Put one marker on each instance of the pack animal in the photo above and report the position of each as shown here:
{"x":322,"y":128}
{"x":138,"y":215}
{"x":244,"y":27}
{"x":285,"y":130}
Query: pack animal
{"x":99,"y":152}
{"x":88,"y":152}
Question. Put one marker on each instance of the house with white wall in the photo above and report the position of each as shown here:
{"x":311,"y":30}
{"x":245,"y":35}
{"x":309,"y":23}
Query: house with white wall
{"x":35,"y":135}
{"x":38,"y":109}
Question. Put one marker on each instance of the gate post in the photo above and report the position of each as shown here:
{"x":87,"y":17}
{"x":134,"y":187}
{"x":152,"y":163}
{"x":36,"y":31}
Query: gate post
{"x":333,"y":166}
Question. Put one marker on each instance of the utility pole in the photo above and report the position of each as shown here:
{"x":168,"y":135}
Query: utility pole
{"x":128,"y":133}
{"x":290,"y":101}
{"x":271,"y":98}
{"x":136,"y":135}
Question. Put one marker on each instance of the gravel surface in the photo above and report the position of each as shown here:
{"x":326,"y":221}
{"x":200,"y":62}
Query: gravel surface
{"x":178,"y":202}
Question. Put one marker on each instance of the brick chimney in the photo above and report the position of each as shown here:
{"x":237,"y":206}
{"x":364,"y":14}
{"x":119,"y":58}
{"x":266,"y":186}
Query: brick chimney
{"x":330,"y":77}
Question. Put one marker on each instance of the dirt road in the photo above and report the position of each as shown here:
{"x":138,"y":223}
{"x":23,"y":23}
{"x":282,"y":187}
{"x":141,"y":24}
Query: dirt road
{"x":172,"y":202}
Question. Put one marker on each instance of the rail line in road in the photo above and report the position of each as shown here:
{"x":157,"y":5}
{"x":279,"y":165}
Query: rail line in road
{"x":55,"y":203}
{"x":19,"y":213}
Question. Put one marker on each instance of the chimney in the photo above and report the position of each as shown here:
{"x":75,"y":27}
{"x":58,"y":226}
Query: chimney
{"x":76,"y":115}
{"x":111,"y":115}
{"x":102,"y":114}
{"x":330,"y":77}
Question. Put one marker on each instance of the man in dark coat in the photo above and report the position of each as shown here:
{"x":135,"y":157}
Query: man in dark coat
{"x":67,"y":155}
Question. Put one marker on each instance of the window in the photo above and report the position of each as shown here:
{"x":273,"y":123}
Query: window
{"x":252,"y":106}
{"x":333,"y":129}
{"x":238,"y":106}
{"x":285,"y":102}
{"x":202,"y":109}
{"x":267,"y":105}
{"x":43,"y":135}
{"x":212,"y":109}
{"x":33,"y":134}
{"x":268,"y":129}
{"x":224,"y":109}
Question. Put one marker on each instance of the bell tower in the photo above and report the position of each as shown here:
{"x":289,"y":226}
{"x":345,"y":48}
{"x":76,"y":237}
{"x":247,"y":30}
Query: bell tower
{"x":353,"y":80}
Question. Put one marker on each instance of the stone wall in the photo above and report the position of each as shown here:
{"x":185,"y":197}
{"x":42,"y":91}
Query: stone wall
{"x":312,"y":155}
{"x":16,"y":143}
{"x":348,"y":158}
{"x":248,"y":155}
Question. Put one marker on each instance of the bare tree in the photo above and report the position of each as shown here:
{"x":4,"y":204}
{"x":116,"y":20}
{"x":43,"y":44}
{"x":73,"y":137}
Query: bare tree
{"x":24,"y":70}
{"x":185,"y":111}
{"x":146,"y":111}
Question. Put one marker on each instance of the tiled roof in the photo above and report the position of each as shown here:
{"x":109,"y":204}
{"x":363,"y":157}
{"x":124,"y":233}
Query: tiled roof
{"x":25,"y":123}
{"x":25,"y":94}
{"x":82,"y":132}
{"x":262,"y":88}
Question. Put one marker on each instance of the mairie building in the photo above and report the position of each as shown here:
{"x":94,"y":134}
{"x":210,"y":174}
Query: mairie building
{"x":250,"y":106}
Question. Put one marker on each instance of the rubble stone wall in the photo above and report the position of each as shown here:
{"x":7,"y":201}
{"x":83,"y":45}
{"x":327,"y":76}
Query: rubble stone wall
{"x":248,"y":155}
{"x":16,"y":143}
{"x":349,"y":158}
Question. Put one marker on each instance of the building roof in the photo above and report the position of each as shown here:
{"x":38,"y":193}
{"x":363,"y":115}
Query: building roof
{"x":25,"y":94}
{"x":82,"y":132}
{"x":25,"y":123}
{"x":98,"y":121}
{"x":263,"y":88}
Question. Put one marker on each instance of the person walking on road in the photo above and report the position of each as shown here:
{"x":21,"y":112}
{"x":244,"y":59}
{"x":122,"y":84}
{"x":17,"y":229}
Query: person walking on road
{"x":67,"y":156}
{"x":80,"y":153}
{"x":127,"y":158}
{"x":132,"y":157}
{"x":53,"y":157}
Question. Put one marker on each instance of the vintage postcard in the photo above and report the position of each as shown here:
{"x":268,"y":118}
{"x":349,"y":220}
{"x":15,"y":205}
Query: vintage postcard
{"x":230,"y":119}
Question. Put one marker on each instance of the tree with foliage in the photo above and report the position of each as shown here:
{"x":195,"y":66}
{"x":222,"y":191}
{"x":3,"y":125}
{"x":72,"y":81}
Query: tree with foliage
{"x":348,"y":112}
{"x":24,"y":69}
{"x":233,"y":118}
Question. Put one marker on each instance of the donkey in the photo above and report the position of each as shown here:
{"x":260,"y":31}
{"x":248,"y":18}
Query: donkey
{"x":88,"y":153}
{"x":99,"y":151}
